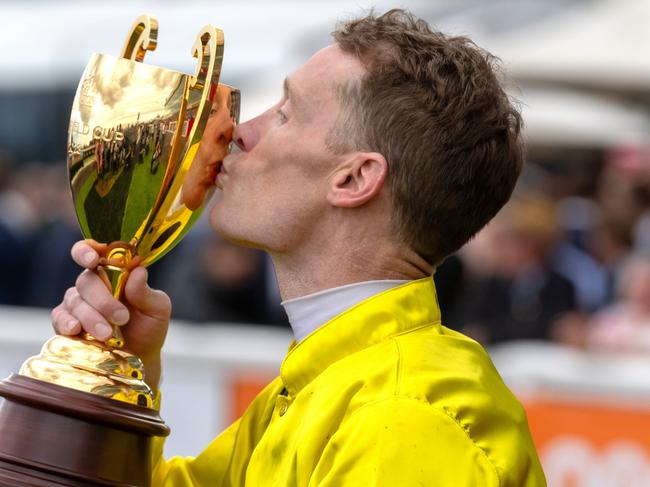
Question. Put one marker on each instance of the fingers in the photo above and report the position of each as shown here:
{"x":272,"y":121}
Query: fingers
{"x":91,"y":320}
{"x":74,"y":315}
{"x":149,"y":301}
{"x":64,"y":323}
{"x":92,"y":290}
{"x":89,"y":306}
{"x":86,"y":253}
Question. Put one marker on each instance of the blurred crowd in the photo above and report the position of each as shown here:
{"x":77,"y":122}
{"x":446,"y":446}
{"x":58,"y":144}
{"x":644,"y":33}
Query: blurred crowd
{"x":208,"y":279}
{"x":567,"y":260}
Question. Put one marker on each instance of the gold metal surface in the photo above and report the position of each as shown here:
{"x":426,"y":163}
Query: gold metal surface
{"x":91,"y":366}
{"x":142,"y":38}
{"x":139,"y":181}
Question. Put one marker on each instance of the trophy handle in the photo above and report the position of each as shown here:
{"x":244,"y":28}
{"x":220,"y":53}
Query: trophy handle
{"x":143,"y":37}
{"x":208,"y":48}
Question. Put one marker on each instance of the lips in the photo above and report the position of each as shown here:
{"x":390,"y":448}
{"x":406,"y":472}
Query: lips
{"x":220,"y":174}
{"x":222,"y":170}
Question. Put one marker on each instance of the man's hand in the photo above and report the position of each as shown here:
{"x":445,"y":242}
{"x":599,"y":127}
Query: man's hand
{"x":89,"y":306}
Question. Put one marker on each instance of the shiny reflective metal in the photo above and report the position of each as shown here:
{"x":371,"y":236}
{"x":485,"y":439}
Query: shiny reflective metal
{"x":139,"y":179}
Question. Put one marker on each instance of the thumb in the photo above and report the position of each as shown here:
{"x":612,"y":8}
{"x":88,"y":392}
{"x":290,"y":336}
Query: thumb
{"x":149,"y":301}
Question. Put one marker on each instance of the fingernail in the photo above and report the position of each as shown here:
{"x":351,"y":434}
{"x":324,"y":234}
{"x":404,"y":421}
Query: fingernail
{"x":69,"y":326}
{"x":120,"y":317}
{"x":102,"y":331}
{"x":88,"y":258}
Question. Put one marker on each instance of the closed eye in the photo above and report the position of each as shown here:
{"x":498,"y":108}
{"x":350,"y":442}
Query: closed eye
{"x":282,"y":116}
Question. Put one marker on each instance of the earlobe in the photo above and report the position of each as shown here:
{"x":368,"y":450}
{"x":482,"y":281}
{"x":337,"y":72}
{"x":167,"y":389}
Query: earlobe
{"x":358,"y":180}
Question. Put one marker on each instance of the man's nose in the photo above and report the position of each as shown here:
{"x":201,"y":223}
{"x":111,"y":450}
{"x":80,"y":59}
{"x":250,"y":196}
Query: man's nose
{"x":246,"y":135}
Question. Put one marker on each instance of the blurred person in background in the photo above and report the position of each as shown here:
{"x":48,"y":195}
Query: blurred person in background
{"x":641,"y":230}
{"x":580,"y":224}
{"x":610,"y":244}
{"x":625,"y":325}
{"x":37,"y":227}
{"x":519,"y":296}
{"x":16,"y":218}
{"x":49,"y":267}
{"x":389,"y":150}
{"x":210,"y":279}
{"x":624,"y":192}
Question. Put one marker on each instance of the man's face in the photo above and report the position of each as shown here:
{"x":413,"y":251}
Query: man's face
{"x":274,"y":188}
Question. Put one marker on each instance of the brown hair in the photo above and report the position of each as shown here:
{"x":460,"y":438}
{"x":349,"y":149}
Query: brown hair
{"x":433,"y":106}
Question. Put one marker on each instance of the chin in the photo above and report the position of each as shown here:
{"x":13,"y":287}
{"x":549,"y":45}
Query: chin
{"x":228,"y":227}
{"x":218,"y":219}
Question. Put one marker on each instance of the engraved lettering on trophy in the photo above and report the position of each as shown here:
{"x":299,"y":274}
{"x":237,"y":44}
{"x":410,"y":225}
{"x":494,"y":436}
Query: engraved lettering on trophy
{"x":85,"y":97}
{"x":79,"y":128}
{"x":107,"y":134}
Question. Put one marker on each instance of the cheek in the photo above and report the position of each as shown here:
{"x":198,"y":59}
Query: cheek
{"x":281,"y":165}
{"x":278,"y":187}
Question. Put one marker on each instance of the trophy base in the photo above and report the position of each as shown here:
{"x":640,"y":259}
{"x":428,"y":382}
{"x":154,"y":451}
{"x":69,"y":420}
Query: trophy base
{"x":53,"y":436}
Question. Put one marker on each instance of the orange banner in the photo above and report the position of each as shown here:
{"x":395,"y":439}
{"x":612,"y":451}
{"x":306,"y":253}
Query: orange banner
{"x":591,"y":443}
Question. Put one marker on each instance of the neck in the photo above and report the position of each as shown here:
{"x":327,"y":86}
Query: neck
{"x":341,"y":263}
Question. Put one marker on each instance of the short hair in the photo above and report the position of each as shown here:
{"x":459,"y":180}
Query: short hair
{"x":434,"y":107}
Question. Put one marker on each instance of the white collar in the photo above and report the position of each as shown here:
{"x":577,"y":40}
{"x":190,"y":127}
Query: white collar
{"x":309,"y":312}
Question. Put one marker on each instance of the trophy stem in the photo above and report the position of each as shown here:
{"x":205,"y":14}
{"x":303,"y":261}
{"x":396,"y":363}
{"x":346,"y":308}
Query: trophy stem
{"x":114,"y":273}
{"x":116,"y":277}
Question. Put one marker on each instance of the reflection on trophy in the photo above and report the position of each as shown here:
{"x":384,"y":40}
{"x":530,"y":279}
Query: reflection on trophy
{"x":81,"y":413}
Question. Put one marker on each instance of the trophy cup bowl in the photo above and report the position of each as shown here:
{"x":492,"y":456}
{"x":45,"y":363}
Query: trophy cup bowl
{"x":80,"y":412}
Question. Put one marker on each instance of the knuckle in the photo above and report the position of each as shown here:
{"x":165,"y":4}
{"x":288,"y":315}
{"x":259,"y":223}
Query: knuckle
{"x":105,"y":303}
{"x":87,"y":314}
{"x":92,"y":290}
{"x":68,"y":294}
{"x":70,"y":299}
{"x":165,"y":300}
{"x":75,"y":302}
{"x":161,"y":302}
{"x":82,"y":279}
{"x":75,"y":251}
{"x":55,"y":313}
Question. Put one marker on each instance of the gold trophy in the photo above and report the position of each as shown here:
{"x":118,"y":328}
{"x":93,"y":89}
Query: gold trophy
{"x":81,"y":413}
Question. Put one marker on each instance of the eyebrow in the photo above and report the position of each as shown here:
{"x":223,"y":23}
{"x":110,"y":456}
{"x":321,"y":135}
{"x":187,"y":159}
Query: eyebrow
{"x":289,"y":93}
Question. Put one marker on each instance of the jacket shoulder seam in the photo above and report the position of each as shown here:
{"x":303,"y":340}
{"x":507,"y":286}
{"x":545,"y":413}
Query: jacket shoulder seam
{"x":446,"y":412}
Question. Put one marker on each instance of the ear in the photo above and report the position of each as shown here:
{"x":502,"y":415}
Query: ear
{"x":359,"y":179}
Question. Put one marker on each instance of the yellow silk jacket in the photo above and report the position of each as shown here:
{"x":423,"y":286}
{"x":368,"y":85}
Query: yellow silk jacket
{"x":381,"y":395}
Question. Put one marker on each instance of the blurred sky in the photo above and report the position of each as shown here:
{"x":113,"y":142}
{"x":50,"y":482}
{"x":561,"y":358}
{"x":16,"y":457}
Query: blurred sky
{"x":581,"y":67}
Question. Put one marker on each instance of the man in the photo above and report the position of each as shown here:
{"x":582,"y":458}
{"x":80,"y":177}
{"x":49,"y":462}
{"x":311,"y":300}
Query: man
{"x":388,"y":151}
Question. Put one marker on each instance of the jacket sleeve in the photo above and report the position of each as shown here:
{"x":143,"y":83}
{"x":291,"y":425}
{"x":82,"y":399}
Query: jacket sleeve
{"x":225,"y":460}
{"x":208,"y":469}
{"x":403,"y":442}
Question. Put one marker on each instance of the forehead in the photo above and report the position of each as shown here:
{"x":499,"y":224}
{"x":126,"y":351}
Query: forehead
{"x":326,"y":69}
